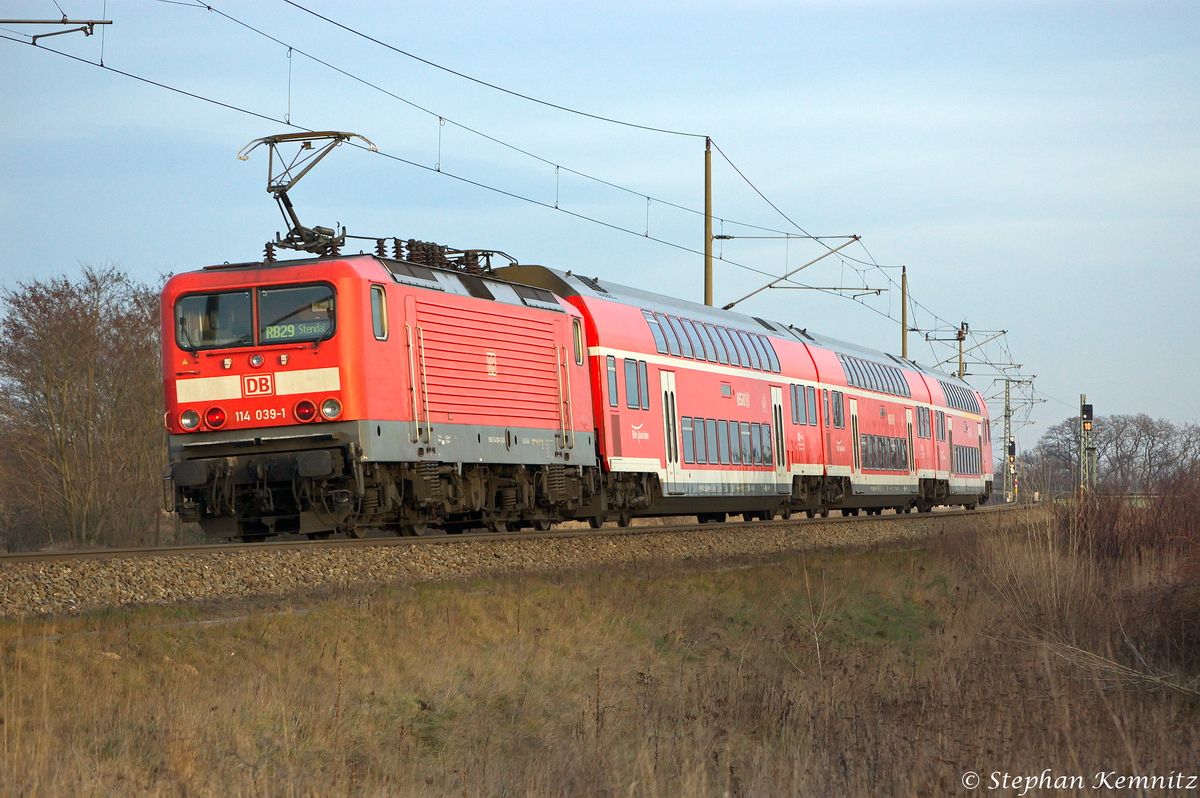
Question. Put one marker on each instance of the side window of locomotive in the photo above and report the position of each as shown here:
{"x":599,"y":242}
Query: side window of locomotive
{"x":660,"y":340}
{"x":681,"y":335}
{"x":672,"y":340}
{"x":812,"y":406}
{"x":379,"y":319}
{"x":631,"y":384}
{"x":577,"y":328}
{"x":644,"y":384}
{"x":295,"y":313}
{"x":612,"y":381}
{"x":214,"y":321}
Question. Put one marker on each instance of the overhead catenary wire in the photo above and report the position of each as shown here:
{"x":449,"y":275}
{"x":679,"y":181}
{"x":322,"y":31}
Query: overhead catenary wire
{"x":455,"y":72}
{"x":197,"y":4}
{"x":556,"y":206}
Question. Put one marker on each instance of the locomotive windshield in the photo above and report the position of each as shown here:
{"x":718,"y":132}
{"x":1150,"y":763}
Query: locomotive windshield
{"x":214,"y":321}
{"x":296,"y":313}
{"x":225,"y":320}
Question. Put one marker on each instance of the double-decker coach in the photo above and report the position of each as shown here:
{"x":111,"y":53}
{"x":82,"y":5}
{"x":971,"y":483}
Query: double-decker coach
{"x":711,"y":412}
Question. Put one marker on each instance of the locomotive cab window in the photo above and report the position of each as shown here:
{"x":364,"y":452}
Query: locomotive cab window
{"x":577,"y":328}
{"x":379,"y":320}
{"x":214,"y":321}
{"x":295,"y":313}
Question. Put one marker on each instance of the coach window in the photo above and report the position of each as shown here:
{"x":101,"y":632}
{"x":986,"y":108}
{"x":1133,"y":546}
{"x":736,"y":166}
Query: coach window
{"x":699,"y":427}
{"x":811,"y":404}
{"x":749,"y":356}
{"x":734,"y":358}
{"x":722,"y":428}
{"x":612,"y":381}
{"x":768,"y":455}
{"x":714,"y":447}
{"x":669,"y":334}
{"x":756,"y":443}
{"x":379,"y":320}
{"x":631,"y":384}
{"x":710,"y":340}
{"x":697,"y":343}
{"x":747,"y":457}
{"x":644,"y":384}
{"x":722,"y":354}
{"x":679,"y":332}
{"x":577,"y":326}
{"x":689,"y":448}
{"x":825,"y":394}
{"x":660,"y":340}
{"x":802,"y":407}
{"x":795,"y":408}
{"x":775,"y":367}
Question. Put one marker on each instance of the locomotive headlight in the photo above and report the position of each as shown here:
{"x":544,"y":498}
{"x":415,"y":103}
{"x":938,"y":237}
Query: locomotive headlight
{"x":189,"y":420}
{"x":331,"y":408}
{"x":214,"y":417}
{"x":256,"y":360}
{"x":305,"y":410}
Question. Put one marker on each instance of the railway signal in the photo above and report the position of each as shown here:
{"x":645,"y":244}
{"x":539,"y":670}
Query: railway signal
{"x":1087,"y":452}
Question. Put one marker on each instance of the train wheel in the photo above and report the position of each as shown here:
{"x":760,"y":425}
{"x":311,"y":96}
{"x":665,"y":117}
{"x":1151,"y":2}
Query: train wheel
{"x":497,"y":526}
{"x":972,"y":506}
{"x":625,"y":518}
{"x":810,"y":513}
{"x":824,"y":512}
{"x":415,"y":529}
{"x":318,"y":535}
{"x":357,"y":532}
{"x":596,"y":521}
{"x":543,"y":525}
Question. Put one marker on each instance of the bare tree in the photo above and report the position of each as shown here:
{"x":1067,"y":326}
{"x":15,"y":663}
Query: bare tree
{"x":81,"y":411}
{"x":1134,"y":453}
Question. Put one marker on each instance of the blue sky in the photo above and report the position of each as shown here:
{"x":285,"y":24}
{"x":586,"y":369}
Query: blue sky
{"x":1033,"y":164}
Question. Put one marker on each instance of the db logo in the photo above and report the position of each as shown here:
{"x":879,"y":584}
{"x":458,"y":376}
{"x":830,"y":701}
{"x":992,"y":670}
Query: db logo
{"x":257,"y":385}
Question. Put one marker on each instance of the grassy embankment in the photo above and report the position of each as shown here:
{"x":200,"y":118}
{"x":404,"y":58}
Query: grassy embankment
{"x":1064,"y":642}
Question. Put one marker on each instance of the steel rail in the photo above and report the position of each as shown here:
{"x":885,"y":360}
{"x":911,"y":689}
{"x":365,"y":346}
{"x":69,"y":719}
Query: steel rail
{"x":448,"y":538}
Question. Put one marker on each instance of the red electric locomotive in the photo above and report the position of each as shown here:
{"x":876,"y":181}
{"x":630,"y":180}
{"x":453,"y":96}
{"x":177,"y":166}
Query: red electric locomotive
{"x":341,"y":394}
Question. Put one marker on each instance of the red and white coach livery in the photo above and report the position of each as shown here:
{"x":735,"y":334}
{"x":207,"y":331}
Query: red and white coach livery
{"x":340,"y":394}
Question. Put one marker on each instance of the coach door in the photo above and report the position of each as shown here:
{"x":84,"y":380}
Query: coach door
{"x":911,"y":451}
{"x":854,"y":439}
{"x":671,"y":432}
{"x":782,"y":483}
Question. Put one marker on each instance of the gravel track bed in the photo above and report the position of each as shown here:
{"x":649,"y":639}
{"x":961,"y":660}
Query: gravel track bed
{"x":39,"y":588}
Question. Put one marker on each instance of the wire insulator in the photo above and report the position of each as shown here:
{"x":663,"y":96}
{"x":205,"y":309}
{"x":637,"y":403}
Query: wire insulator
{"x":269,"y":253}
{"x":381,"y":248}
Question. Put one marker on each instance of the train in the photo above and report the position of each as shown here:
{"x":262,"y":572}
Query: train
{"x":427,"y":391}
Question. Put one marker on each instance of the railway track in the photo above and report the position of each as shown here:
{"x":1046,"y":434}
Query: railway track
{"x":465,"y":537}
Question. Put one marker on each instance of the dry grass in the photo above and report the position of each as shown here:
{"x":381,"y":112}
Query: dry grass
{"x":881,"y":673}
